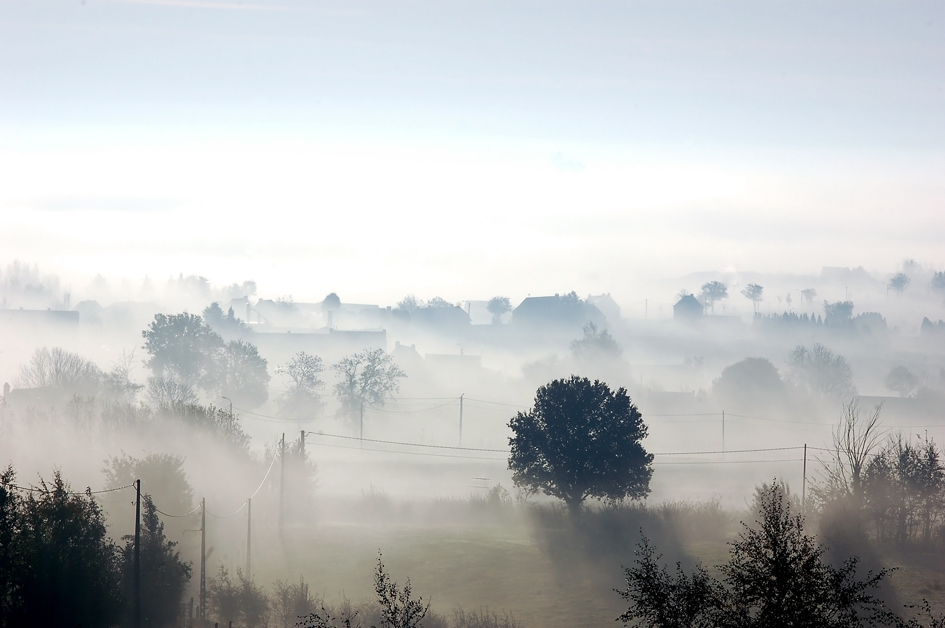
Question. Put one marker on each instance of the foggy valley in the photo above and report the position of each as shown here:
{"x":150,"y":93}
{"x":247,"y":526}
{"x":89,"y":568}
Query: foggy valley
{"x":396,"y":426}
{"x":473,"y":314}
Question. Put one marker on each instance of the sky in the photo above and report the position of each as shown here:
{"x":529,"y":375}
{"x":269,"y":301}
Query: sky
{"x":466,"y":149}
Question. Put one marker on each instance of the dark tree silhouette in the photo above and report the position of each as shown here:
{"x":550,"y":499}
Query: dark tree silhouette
{"x":398,"y":608}
{"x":776,"y":576}
{"x":59,"y":567}
{"x":580,"y":440}
{"x":163,"y":574}
{"x":498,"y":306}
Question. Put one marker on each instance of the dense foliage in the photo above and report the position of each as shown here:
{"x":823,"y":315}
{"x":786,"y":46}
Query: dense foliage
{"x":776,"y":576}
{"x":580,"y":440}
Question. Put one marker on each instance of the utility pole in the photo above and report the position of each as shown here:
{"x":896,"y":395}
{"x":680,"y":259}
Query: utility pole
{"x":302,"y":444}
{"x":282,"y":491}
{"x":138,"y":554}
{"x":804,"y":482}
{"x":249,"y":538}
{"x":723,"y":432}
{"x":203,"y":558}
{"x":461,"y":419}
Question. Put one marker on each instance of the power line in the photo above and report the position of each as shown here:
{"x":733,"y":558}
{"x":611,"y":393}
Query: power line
{"x":87,"y":491}
{"x":394,"y":442}
{"x":498,"y":403}
{"x":411,"y":453}
{"x":692,"y":462}
{"x":505,"y":451}
{"x":195,"y":509}
{"x":443,"y":405}
{"x":257,"y":415}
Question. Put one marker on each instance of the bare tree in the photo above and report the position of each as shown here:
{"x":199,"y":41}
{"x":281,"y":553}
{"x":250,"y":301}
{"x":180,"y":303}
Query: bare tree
{"x":854,"y":442}
{"x":60,"y":369}
{"x":303,"y":395}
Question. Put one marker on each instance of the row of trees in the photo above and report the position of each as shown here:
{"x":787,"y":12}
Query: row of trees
{"x":185,"y":353}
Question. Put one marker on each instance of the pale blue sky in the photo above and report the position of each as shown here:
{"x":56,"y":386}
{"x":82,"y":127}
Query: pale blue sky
{"x":428,"y":147}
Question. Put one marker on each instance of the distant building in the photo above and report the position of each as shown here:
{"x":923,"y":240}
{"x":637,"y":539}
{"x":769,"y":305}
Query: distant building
{"x":687,"y":308}
{"x":440,"y":316}
{"x":560,"y":310}
{"x":606,"y":305}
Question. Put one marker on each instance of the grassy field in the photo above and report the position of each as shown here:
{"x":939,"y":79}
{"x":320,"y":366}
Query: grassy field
{"x":544,"y":569}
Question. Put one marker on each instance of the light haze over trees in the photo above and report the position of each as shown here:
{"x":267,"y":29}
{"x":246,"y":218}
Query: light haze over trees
{"x":368,"y":377}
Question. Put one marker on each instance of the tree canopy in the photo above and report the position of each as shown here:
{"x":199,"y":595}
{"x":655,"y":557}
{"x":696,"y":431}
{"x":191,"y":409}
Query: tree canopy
{"x":752,"y":381}
{"x":184,"y":348}
{"x":302,"y":396}
{"x":498,"y":306}
{"x":596,"y":343}
{"x":821,"y":372}
{"x":57,"y":565}
{"x":753,"y":292}
{"x":367,"y":377}
{"x":776,"y":576}
{"x":580,"y":440}
{"x":713,"y":291}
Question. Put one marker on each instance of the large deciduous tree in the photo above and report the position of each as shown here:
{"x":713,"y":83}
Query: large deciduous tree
{"x":244,"y":377}
{"x":580,"y":440}
{"x":368,"y":377}
{"x":182,"y":347}
{"x":302,"y":397}
{"x":713,"y":291}
{"x":820,"y":371}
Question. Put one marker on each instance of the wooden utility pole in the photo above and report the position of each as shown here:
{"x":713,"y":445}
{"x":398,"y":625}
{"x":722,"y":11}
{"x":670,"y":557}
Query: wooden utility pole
{"x":461,"y":419}
{"x":723,"y":431}
{"x":249,"y":538}
{"x":302,"y":445}
{"x":137,"y":577}
{"x":203,"y":558}
{"x":804,"y":482}
{"x":282,"y":490}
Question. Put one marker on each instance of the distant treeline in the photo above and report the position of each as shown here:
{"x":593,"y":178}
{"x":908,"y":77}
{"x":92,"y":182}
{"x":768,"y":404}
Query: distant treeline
{"x":933,"y":329}
{"x":867,"y":322}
